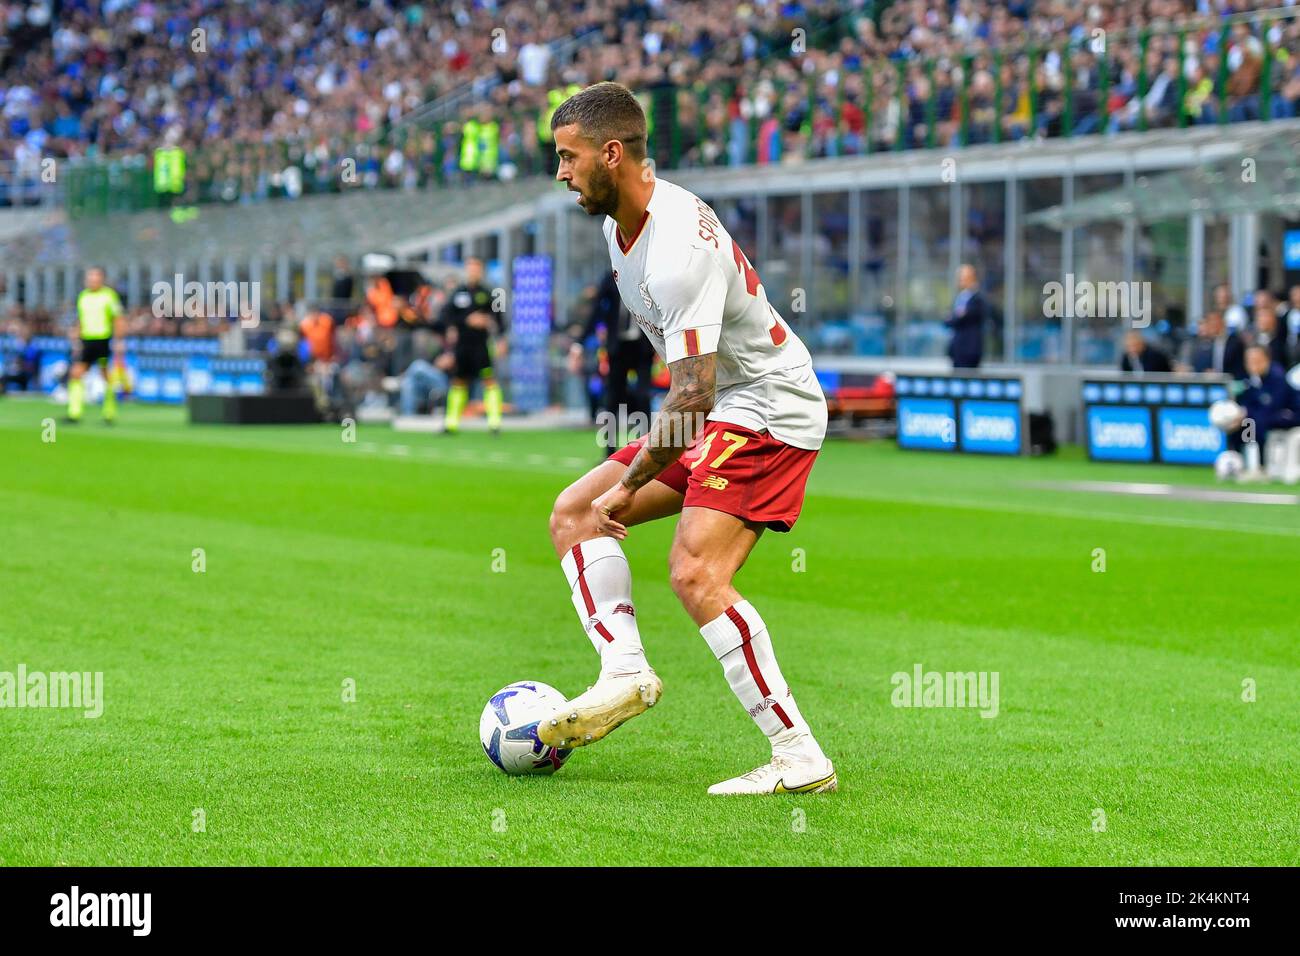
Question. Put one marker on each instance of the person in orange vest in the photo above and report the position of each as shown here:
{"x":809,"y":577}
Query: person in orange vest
{"x":380,"y":297}
{"x":318,"y":329}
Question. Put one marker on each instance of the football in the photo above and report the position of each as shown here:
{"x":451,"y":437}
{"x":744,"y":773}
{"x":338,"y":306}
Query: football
{"x":1225,"y":415}
{"x":1229,"y":465}
{"x":508,"y":729}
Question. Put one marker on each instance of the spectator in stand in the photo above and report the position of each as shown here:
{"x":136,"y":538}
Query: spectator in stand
{"x":1140,"y":356}
{"x":1215,"y":349}
{"x":1268,"y":333}
{"x":1234,"y":315}
{"x":285,"y":91}
{"x":1291,"y":314}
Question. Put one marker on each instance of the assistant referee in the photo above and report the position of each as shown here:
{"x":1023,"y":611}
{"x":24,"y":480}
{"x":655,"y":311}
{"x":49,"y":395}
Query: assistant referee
{"x":469,"y":312}
{"x":99,"y":313}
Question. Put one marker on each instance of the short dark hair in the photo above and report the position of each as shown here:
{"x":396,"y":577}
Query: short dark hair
{"x":603,"y":112}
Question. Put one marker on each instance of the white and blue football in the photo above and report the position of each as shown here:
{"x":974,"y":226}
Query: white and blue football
{"x":508,"y":728}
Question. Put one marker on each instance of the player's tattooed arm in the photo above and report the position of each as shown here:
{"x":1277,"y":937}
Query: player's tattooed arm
{"x":680,"y":418}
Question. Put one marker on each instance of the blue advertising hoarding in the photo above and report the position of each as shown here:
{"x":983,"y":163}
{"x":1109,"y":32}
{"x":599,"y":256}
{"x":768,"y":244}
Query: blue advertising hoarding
{"x":962,"y":413}
{"x":992,"y":428}
{"x":927,"y":423}
{"x":1187,"y":437}
{"x":1153,"y":420}
{"x":1119,"y":433}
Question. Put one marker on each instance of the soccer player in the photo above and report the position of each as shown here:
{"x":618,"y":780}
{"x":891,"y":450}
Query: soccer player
{"x":469,"y":311}
{"x":730,"y":449}
{"x":99,"y":313}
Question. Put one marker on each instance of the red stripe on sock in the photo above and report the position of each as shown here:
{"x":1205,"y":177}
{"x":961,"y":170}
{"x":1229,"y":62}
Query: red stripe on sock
{"x":601,"y":630}
{"x":754,"y":671}
{"x":734,"y":616}
{"x":582,"y":582}
{"x":780,"y":712}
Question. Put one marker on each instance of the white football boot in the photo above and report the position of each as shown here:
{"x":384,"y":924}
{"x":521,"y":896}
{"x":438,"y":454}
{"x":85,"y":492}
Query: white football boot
{"x":609,"y":703}
{"x":785,"y":774}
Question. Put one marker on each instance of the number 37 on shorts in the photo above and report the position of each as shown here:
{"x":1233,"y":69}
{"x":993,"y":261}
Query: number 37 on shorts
{"x":748,"y":474}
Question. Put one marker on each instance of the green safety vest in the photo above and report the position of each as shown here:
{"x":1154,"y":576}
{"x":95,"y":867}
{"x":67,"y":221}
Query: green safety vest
{"x":490,"y":145}
{"x":96,"y":311}
{"x":469,"y":146}
{"x":648,"y":105}
{"x":554,"y":98}
{"x":169,"y":170}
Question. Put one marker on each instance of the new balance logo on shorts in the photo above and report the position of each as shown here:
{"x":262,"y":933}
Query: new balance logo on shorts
{"x":714,"y":481}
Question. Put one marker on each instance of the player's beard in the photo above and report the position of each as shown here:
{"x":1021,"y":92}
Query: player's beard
{"x":601,"y":197}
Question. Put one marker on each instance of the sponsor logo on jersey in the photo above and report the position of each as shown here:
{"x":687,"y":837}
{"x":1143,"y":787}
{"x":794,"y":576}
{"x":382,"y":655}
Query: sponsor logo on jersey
{"x":648,"y":326}
{"x":714,"y":481}
{"x":645,"y":297}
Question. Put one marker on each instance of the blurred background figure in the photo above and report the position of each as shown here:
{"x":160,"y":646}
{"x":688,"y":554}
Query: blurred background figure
{"x":969,"y":310}
{"x":1141,"y":356}
{"x":625,"y":370}
{"x":99,"y":315}
{"x":1215,"y":349}
{"x":1269,"y":401}
{"x":469,"y":312}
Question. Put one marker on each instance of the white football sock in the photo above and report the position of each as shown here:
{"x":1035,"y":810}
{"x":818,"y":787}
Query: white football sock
{"x":739,"y":640}
{"x":600,"y":583}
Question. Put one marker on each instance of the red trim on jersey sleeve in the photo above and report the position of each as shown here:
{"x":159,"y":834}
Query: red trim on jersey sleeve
{"x":702,"y":340}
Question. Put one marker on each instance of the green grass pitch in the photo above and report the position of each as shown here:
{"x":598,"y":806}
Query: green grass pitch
{"x":1120,"y":691}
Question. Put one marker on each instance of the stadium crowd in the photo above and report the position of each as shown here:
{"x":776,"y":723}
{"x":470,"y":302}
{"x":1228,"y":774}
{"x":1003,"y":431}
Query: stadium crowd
{"x":269,"y":98}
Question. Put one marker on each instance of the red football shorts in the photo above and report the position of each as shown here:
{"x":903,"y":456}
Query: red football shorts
{"x":738,"y":471}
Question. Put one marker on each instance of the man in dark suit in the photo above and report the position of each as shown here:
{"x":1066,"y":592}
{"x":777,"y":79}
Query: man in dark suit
{"x":628,"y":351}
{"x":1268,"y":398}
{"x":969,"y":310}
{"x":1216,"y":349}
{"x":1268,"y":332}
{"x":1141,"y":357}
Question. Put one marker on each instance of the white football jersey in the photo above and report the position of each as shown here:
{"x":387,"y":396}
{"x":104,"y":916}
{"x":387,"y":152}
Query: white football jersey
{"x":693,"y":291}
